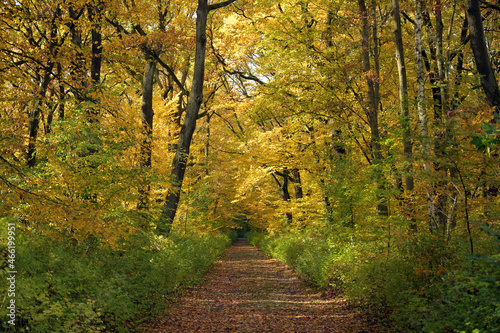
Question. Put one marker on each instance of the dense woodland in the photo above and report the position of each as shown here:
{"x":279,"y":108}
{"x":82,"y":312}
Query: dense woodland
{"x":357,"y":141}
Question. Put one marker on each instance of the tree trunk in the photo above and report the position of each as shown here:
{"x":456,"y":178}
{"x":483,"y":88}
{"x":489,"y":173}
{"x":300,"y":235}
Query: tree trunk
{"x":283,"y":187}
{"x":62,"y":93}
{"x":481,"y":56}
{"x":297,"y":184}
{"x":147,"y":128}
{"x":404,"y":109}
{"x":421,"y":109}
{"x":438,"y":207}
{"x":185,"y":136}
{"x":78,"y":72}
{"x":35,"y":117}
{"x":373,"y":98}
{"x":95,"y":17}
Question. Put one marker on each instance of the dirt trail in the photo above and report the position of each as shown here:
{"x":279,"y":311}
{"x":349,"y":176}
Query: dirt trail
{"x":247,"y":292}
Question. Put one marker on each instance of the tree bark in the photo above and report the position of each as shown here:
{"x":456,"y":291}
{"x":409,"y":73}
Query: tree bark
{"x":439,"y":88}
{"x":186,"y":134}
{"x":78,"y":72}
{"x":373,"y":98}
{"x":147,"y":114}
{"x":297,"y":184}
{"x":95,"y":17}
{"x":35,"y":115}
{"x":421,"y":109}
{"x":481,"y":56}
{"x":404,"y":108}
{"x":283,"y":187}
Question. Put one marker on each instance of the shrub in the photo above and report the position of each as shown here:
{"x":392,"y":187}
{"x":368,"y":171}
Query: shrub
{"x":85,"y":287}
{"x":308,"y":254}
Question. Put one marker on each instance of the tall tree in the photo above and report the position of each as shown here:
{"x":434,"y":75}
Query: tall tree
{"x":481,"y":56}
{"x":404,"y":102}
{"x":372,"y":81}
{"x":95,"y":11}
{"x":283,"y":188}
{"x":179,"y":163}
{"x":147,"y":114}
{"x":421,"y":108}
{"x":44,"y":80}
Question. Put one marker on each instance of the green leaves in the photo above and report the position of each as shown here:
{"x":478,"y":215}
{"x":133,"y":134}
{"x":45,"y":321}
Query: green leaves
{"x":487,"y":141}
{"x":86,"y":287}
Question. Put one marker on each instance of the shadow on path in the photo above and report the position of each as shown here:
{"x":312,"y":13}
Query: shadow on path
{"x":247,"y":292}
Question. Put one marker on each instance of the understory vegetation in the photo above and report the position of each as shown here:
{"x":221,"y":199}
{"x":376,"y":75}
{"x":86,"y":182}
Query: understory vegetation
{"x":411,"y":285}
{"x":64,"y":286}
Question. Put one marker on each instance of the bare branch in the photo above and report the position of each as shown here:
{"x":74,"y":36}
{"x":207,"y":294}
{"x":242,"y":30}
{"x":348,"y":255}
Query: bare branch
{"x":220,"y":5}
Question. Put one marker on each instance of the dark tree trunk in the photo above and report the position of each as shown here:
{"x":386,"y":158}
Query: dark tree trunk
{"x":374,"y":99}
{"x":481,"y":56}
{"x":283,"y":187}
{"x":95,"y":17}
{"x":297,"y":184}
{"x":95,"y":11}
{"x":62,"y":93}
{"x":35,"y":116}
{"x":147,"y":128}
{"x":78,"y":72}
{"x":195,"y":99}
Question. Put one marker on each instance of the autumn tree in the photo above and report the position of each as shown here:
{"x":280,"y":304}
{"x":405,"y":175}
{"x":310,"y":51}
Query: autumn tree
{"x":179,"y":163}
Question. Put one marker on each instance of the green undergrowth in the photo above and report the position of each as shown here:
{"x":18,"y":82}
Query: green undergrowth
{"x":413,"y":284}
{"x":66,"y":287}
{"x":308,"y":254}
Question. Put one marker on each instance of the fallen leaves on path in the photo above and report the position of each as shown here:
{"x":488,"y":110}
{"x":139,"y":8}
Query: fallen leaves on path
{"x":247,"y":292}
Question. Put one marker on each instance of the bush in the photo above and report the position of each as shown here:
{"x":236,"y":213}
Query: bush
{"x":308,"y":254}
{"x":416,"y":285}
{"x":233,"y":235}
{"x":65,"y":287}
{"x":466,"y":299}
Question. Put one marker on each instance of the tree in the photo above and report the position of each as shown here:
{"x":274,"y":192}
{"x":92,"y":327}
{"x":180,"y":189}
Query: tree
{"x":372,"y":82}
{"x":147,"y":114}
{"x":481,"y":56}
{"x":404,"y":104}
{"x":179,"y":163}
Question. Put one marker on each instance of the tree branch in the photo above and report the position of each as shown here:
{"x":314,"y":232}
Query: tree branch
{"x":220,"y":5}
{"x":405,"y":15}
{"x":490,"y":5}
{"x":118,"y":26}
{"x":276,"y":179}
{"x":141,"y":32}
{"x":171,"y":72}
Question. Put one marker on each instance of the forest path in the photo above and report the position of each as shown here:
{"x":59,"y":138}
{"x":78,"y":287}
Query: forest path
{"x":247,"y":292}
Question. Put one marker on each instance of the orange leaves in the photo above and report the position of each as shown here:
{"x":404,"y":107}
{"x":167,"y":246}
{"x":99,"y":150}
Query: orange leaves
{"x":247,"y":292}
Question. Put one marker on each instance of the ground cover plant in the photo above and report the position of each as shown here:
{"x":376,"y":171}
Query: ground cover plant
{"x":63,"y":286}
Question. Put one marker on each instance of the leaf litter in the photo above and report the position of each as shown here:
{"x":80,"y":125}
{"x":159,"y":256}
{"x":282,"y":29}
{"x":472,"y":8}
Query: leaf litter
{"x":246,"y":292}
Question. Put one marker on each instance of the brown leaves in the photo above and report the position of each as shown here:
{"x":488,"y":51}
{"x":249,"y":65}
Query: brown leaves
{"x":247,"y":292}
